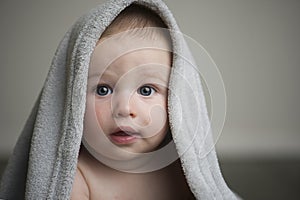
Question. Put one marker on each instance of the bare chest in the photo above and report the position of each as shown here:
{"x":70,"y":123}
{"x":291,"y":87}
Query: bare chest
{"x":137,"y":186}
{"x":105,"y":183}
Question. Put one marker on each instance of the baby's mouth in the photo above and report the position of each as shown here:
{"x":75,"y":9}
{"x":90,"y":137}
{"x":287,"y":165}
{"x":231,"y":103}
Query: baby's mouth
{"x":124,"y":135}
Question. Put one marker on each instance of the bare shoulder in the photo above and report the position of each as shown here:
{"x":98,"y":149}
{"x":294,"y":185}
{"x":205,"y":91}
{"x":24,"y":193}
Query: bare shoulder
{"x":80,"y":188}
{"x":87,"y":177}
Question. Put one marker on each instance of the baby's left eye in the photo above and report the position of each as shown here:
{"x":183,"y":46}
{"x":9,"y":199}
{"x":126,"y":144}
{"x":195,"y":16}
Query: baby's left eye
{"x":146,"y":90}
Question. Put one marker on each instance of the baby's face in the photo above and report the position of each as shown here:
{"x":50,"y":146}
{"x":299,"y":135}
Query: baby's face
{"x":127,"y":93}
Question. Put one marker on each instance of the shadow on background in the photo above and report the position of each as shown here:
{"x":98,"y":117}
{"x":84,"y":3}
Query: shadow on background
{"x":256,"y":179}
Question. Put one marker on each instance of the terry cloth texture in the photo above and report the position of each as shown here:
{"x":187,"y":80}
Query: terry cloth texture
{"x":44,"y":160}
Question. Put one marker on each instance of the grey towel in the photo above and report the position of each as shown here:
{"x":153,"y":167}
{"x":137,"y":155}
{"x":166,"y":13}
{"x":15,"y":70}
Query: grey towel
{"x":44,"y":160}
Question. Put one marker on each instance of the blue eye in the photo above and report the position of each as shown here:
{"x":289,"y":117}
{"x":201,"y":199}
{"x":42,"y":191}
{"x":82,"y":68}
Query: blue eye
{"x":103,"y":90}
{"x":146,"y":90}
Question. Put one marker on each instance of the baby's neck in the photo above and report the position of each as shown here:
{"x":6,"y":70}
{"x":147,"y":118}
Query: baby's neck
{"x":96,"y":164}
{"x":166,"y":183}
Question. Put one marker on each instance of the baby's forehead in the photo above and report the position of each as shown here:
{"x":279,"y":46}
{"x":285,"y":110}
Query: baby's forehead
{"x":148,"y":69}
{"x":143,"y":50}
{"x":138,"y":38}
{"x":141,"y":63}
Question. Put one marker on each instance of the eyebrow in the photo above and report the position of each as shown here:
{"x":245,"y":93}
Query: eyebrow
{"x":156,"y":74}
{"x":147,"y":74}
{"x":105,"y":73}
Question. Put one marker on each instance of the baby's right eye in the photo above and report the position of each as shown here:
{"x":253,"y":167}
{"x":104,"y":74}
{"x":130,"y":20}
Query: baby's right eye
{"x":103,"y":90}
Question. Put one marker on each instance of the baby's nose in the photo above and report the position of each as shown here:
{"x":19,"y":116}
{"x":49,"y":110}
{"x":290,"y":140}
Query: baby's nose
{"x":123,"y":106}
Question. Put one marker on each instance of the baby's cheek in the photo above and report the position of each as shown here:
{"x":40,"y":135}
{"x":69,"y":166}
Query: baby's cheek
{"x":157,"y":120}
{"x":103,"y":115}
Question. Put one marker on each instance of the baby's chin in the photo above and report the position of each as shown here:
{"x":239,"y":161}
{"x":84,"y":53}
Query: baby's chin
{"x":137,"y":149}
{"x":124,"y":159}
{"x":139,"y":157}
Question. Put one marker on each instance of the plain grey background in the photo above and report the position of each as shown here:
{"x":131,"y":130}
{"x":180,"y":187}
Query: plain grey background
{"x":255,"y":44}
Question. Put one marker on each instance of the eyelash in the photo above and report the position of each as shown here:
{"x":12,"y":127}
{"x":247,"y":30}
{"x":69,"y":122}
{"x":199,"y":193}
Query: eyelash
{"x":110,"y":90}
{"x":152,"y":90}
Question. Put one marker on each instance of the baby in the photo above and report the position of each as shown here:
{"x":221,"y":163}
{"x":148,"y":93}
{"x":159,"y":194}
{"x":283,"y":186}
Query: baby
{"x":126,"y":112}
{"x":121,"y":115}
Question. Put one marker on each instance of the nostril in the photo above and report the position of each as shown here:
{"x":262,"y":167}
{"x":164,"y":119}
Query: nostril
{"x":132,"y":114}
{"x":122,"y":111}
{"x":125,"y":112}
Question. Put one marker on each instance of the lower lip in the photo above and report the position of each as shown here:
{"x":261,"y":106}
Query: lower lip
{"x":124,"y":139}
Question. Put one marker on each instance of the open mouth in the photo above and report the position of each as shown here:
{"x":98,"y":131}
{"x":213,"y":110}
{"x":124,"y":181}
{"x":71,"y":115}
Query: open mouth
{"x":123,"y":137}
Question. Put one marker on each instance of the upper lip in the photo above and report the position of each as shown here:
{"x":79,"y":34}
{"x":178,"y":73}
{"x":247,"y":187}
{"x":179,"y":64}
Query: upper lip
{"x":126,"y":129}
